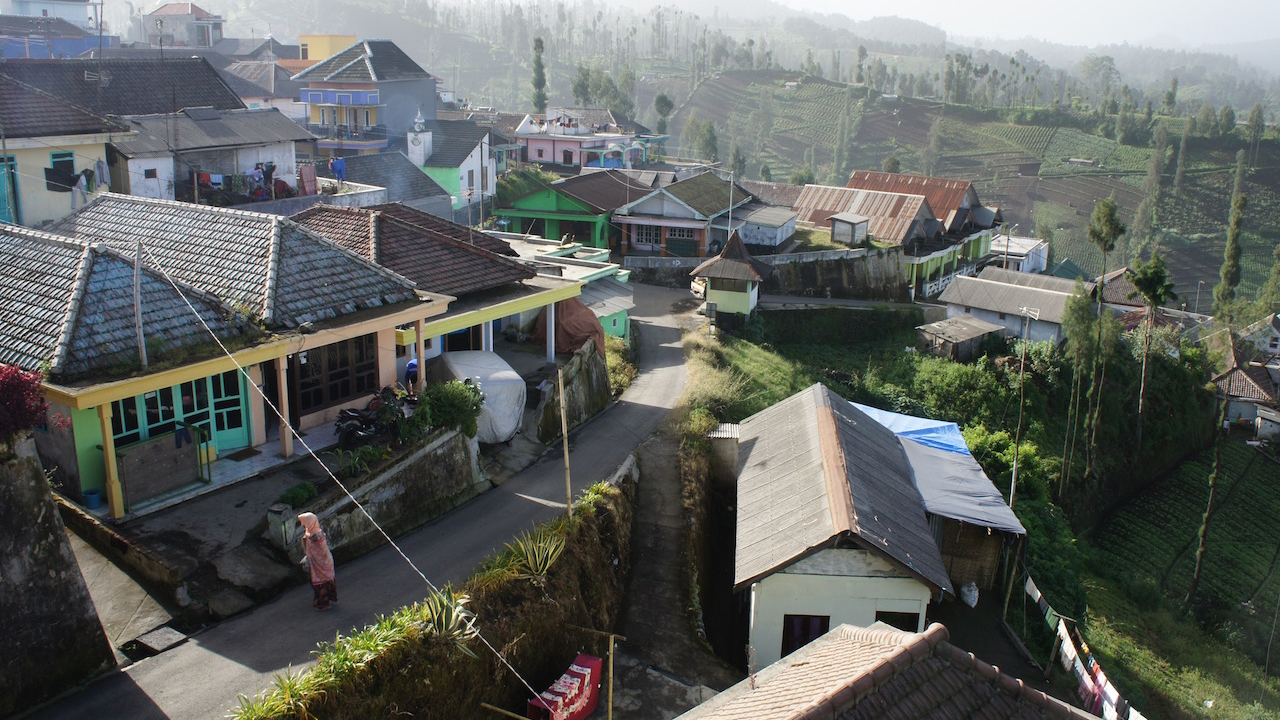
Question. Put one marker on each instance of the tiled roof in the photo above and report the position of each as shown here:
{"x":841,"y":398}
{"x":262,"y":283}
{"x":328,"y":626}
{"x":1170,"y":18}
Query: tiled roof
{"x":26,"y":112}
{"x":651,"y":179}
{"x":446,"y":228}
{"x":1118,"y":285}
{"x":774,"y":193}
{"x":366,"y":61}
{"x":269,"y":78}
{"x":452,"y":141}
{"x":391,"y":170}
{"x":892,"y":215}
{"x":504,"y":123}
{"x":707,"y":194}
{"x":182,"y":9}
{"x":604,"y":191}
{"x":255,"y":48}
{"x":880,"y":673}
{"x":151,"y":53}
{"x":436,"y":262}
{"x":205,"y":129}
{"x":1067,"y":268}
{"x":41,"y":27}
{"x":1138,"y":316}
{"x":945,"y":196}
{"x":815,"y":468}
{"x":1248,"y":382}
{"x":116,"y":86}
{"x":733,"y":263}
{"x":70,"y":303}
{"x":280,"y":272}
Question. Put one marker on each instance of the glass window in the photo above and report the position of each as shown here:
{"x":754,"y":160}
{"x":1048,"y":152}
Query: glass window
{"x":800,"y":630}
{"x":680,"y":233}
{"x":64,"y":161}
{"x":651,"y":234}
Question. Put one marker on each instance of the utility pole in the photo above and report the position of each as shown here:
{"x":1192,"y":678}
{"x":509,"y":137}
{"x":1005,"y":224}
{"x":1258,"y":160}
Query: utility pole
{"x":564,"y":434}
{"x":1028,"y":314}
{"x":137,"y":304}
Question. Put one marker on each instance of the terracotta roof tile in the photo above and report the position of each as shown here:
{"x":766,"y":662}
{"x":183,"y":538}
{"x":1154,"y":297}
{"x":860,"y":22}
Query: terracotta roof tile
{"x":438,"y":263}
{"x":447,"y":228}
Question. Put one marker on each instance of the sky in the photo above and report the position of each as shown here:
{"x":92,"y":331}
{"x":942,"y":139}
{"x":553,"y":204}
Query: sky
{"x":1178,"y":24}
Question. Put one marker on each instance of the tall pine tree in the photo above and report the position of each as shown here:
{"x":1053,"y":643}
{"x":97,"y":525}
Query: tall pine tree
{"x":1224,"y":294}
{"x":539,"y":81}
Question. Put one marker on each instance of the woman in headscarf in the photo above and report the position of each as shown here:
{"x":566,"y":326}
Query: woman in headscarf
{"x":319,"y":561}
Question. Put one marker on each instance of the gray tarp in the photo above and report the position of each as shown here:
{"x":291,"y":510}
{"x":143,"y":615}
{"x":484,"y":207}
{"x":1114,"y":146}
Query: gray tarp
{"x":954,"y":486}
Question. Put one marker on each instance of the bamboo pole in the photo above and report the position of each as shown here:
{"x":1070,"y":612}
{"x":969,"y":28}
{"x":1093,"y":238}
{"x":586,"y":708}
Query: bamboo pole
{"x":613,"y":639}
{"x":564,"y":435}
{"x":500,"y":711}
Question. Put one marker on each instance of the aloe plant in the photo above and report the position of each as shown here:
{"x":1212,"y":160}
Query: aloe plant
{"x":445,"y":615}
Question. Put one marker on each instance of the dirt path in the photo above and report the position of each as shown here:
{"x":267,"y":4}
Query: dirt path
{"x":663,"y":667}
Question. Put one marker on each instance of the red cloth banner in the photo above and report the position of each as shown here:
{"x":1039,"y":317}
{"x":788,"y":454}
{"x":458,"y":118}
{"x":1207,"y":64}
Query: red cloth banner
{"x":573,"y":696}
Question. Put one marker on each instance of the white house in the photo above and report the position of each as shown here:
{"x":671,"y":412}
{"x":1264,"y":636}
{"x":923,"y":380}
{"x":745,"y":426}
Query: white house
{"x":1023,"y":254}
{"x":81,"y":13}
{"x":849,"y":228}
{"x":1264,"y":335}
{"x":171,"y":151}
{"x":821,"y":490}
{"x":1018,"y":302}
{"x":458,"y":156}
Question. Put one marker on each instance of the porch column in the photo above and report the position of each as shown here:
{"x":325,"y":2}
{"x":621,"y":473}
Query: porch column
{"x":420,"y":351}
{"x":551,"y":333}
{"x":662,"y":247}
{"x":115,"y":494}
{"x":282,"y":382}
{"x":486,"y":336}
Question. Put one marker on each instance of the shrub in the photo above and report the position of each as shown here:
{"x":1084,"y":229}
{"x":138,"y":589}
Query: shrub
{"x":619,"y":361}
{"x":456,"y":405}
{"x":298,"y":495}
{"x":22,"y":404}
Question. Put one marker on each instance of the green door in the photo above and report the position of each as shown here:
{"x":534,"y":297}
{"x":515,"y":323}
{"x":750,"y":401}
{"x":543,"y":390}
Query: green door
{"x":8,"y":190}
{"x":230,"y":424}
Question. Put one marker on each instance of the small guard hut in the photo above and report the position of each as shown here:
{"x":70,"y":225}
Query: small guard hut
{"x":733,"y":278}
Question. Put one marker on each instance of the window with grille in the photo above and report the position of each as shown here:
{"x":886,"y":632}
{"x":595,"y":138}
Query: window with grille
{"x":680,"y":233}
{"x":647,"y":234}
{"x":336,"y":373}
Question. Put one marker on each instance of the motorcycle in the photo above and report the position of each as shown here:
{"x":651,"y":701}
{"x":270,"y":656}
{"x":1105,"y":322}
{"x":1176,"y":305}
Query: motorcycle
{"x":378,"y":419}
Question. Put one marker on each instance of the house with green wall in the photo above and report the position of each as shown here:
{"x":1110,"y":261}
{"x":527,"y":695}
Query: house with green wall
{"x":579,"y":207}
{"x":733,"y":278}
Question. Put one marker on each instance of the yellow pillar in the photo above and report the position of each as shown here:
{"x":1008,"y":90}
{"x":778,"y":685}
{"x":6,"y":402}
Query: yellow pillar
{"x":282,"y":382}
{"x":421,"y":351}
{"x":115,"y":493}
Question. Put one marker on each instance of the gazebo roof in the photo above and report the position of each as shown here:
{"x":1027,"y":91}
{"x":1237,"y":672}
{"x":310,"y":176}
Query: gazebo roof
{"x":733,"y":263}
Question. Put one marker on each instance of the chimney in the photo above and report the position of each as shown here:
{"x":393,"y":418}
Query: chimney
{"x":419,"y":141}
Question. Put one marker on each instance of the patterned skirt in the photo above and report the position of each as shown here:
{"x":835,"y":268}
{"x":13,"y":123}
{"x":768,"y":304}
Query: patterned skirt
{"x":326,"y":593}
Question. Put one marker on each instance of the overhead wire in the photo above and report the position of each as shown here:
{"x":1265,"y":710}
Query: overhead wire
{"x":298,"y":436}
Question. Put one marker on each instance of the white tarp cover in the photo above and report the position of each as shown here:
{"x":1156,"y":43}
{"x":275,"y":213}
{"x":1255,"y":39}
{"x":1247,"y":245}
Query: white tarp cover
{"x":950,"y":481}
{"x":503,"y":388}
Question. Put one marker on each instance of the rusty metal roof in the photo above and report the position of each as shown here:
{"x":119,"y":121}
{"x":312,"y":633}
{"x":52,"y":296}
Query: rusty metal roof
{"x":892,"y":215}
{"x":945,"y":196}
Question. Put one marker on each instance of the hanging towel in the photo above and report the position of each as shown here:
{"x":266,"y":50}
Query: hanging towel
{"x":91,"y":180}
{"x":79,"y":191}
{"x":104,"y":172}
{"x":215,"y":180}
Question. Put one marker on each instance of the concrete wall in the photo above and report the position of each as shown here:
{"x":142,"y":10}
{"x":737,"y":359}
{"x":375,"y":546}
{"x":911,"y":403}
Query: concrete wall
{"x":1038,"y":331}
{"x":36,"y":204}
{"x":130,"y":177}
{"x":360,"y":196}
{"x":416,"y":487}
{"x":848,"y":586}
{"x":586,"y":390}
{"x":52,"y":638}
{"x":877,"y":275}
{"x":438,"y":205}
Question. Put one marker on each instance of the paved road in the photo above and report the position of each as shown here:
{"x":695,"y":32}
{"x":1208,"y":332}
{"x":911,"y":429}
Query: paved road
{"x":200,"y":679}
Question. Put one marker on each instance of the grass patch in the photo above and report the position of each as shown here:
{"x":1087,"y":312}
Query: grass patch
{"x":620,"y":360}
{"x":1167,"y":666}
{"x":812,"y":239}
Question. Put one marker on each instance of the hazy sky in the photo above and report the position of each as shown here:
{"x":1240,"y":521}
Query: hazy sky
{"x":1172,"y":23}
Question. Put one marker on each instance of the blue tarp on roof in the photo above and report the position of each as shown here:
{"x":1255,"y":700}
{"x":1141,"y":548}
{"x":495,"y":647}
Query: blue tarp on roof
{"x":933,"y":433}
{"x":950,"y":481}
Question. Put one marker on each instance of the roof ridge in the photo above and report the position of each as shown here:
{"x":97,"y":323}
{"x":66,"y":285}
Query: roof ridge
{"x":360,"y":258}
{"x":835,"y":471}
{"x":190,"y":207}
{"x":469,"y":246}
{"x":272,"y":275}
{"x":43,"y":236}
{"x":63,"y":344}
{"x":909,"y":648}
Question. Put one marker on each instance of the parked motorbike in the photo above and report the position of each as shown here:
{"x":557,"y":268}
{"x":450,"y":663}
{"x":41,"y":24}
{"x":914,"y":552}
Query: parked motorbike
{"x":377,"y":420}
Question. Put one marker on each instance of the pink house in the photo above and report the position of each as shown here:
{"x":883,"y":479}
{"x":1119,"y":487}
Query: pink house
{"x":577,"y":137}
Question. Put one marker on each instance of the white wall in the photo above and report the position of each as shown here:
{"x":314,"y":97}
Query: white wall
{"x":478,"y":161}
{"x":849,"y":586}
{"x":663,"y":206}
{"x":136,"y":183}
{"x":1039,"y":331}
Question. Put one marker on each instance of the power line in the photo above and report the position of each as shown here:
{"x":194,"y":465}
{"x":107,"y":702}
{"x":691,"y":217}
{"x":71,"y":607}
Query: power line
{"x":244,"y":373}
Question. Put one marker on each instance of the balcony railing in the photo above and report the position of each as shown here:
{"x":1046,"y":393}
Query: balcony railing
{"x":356,"y":133}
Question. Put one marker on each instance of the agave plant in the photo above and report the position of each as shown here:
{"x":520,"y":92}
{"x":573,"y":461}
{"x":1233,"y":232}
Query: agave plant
{"x":445,"y":615}
{"x":536,"y":552}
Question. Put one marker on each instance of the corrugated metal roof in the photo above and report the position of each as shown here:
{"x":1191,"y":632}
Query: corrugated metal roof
{"x":960,"y":328}
{"x":759,"y":213}
{"x":945,"y":196}
{"x":725,"y":431}
{"x":892,"y":216}
{"x":207,"y":129}
{"x":814,"y":468}
{"x":971,"y":292}
{"x":608,"y":296}
{"x":852,"y":218}
{"x":1032,"y":280}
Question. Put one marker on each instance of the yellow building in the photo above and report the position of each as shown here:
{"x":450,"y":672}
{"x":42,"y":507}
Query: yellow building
{"x":53,"y":156}
{"x":318,"y":47}
{"x":733,"y":278}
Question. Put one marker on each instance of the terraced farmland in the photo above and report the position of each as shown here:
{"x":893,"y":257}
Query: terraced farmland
{"x":1153,"y":537}
{"x":1032,"y":138}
